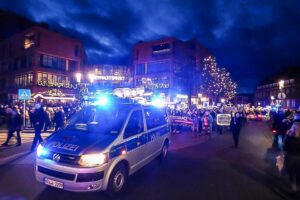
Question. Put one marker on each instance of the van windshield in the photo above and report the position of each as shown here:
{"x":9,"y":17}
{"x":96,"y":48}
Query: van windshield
{"x":98,"y":120}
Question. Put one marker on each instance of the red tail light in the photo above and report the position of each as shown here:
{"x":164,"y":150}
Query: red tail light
{"x":274,"y":131}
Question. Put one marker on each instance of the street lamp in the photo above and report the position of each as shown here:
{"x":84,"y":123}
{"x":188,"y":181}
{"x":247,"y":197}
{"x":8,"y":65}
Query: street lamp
{"x":272,"y":98}
{"x":78,"y":77}
{"x":199,"y":95}
{"x":281,"y":84}
{"x":91,"y":77}
{"x":222,"y":100}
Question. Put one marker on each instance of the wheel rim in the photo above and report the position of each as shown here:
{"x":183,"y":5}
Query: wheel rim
{"x":165,"y":150}
{"x":118,"y":181}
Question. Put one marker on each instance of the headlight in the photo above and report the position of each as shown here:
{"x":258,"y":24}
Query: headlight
{"x":90,"y":160}
{"x":41,"y":150}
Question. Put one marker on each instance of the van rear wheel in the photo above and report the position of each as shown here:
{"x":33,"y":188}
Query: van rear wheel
{"x":117,"y":180}
{"x":164,"y":151}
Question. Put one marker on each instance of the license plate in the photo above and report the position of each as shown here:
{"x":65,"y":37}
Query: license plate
{"x":54,"y":183}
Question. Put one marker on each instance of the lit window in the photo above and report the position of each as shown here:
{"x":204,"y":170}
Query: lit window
{"x":162,"y":48}
{"x":29,"y":40}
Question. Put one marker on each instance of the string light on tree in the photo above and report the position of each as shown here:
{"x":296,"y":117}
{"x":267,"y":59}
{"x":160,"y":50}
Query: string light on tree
{"x":217,"y":81}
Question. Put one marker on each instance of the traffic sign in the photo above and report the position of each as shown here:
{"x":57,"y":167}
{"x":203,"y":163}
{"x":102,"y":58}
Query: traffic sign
{"x":281,"y":95}
{"x":24,"y":94}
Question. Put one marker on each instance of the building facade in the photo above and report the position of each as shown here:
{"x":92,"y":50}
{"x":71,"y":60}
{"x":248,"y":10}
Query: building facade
{"x":286,"y":95}
{"x":40,"y":60}
{"x":168,"y":66}
{"x":270,"y":94}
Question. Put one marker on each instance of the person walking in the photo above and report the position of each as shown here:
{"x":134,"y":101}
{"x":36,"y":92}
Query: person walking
{"x":59,"y":119}
{"x":291,"y":148}
{"x":235,"y":126}
{"x":207,"y":123}
{"x":39,"y":117}
{"x":14,"y":123}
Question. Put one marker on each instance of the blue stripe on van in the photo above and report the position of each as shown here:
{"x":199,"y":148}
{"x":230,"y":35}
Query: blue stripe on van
{"x":137,"y":142}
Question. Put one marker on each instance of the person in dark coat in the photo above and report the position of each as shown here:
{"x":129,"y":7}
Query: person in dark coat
{"x":14,"y":123}
{"x":59,"y":118}
{"x":281,"y":125}
{"x":39,"y":118}
{"x":235,"y":126}
{"x":292,"y":155}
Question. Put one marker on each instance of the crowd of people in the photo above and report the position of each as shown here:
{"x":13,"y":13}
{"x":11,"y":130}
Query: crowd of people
{"x":286,"y":137}
{"x":204,"y":121}
{"x":38,"y":116}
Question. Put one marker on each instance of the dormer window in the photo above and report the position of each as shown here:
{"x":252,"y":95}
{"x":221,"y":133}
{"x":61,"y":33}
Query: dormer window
{"x":29,"y":40}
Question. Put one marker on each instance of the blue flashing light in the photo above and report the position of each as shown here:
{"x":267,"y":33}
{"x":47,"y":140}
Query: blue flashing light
{"x":102,"y":101}
{"x":158,"y":102}
{"x":85,"y":97}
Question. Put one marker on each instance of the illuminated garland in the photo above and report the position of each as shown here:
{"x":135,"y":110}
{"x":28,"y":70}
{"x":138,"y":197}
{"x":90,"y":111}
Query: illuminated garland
{"x":59,"y":85}
{"x":150,"y":83}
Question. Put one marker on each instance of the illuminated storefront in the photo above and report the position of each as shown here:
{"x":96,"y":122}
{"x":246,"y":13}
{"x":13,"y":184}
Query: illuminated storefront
{"x":109,"y":76}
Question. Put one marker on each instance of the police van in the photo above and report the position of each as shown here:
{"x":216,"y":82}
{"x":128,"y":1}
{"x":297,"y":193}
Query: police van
{"x":101,"y":146}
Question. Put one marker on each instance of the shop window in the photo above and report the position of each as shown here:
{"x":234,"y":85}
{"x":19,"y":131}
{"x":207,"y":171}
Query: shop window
{"x":49,"y":78}
{"x":39,"y":76}
{"x":29,"y":40}
{"x":30,"y":79}
{"x":54,"y":78}
{"x":45,"y":77}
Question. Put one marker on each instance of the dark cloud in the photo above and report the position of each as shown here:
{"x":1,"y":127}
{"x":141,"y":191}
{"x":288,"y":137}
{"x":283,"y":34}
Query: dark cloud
{"x":251,"y":38}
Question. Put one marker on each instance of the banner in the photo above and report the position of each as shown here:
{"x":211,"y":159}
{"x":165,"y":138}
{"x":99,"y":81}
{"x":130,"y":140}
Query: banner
{"x":180,"y":120}
{"x":223,"y":119}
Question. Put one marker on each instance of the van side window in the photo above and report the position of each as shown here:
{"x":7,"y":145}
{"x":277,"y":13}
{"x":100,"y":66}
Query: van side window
{"x":135,"y":124}
{"x":154,"y":118}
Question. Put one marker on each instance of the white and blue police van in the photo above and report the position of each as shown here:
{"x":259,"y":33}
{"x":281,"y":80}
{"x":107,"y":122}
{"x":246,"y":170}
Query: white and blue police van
{"x":101,"y":146}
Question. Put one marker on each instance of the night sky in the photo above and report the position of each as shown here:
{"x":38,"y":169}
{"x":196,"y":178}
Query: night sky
{"x":251,"y":38}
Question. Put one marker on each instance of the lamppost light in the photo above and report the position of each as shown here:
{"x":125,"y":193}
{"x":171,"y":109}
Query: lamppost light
{"x":78,"y":77}
{"x":281,"y":84}
{"x":91,"y":77}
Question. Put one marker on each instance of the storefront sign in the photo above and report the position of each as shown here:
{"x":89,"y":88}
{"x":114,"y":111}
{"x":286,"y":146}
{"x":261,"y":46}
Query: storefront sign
{"x":110,"y":78}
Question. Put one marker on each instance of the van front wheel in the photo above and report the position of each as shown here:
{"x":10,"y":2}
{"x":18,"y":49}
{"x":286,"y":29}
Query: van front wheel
{"x":117,"y":180}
